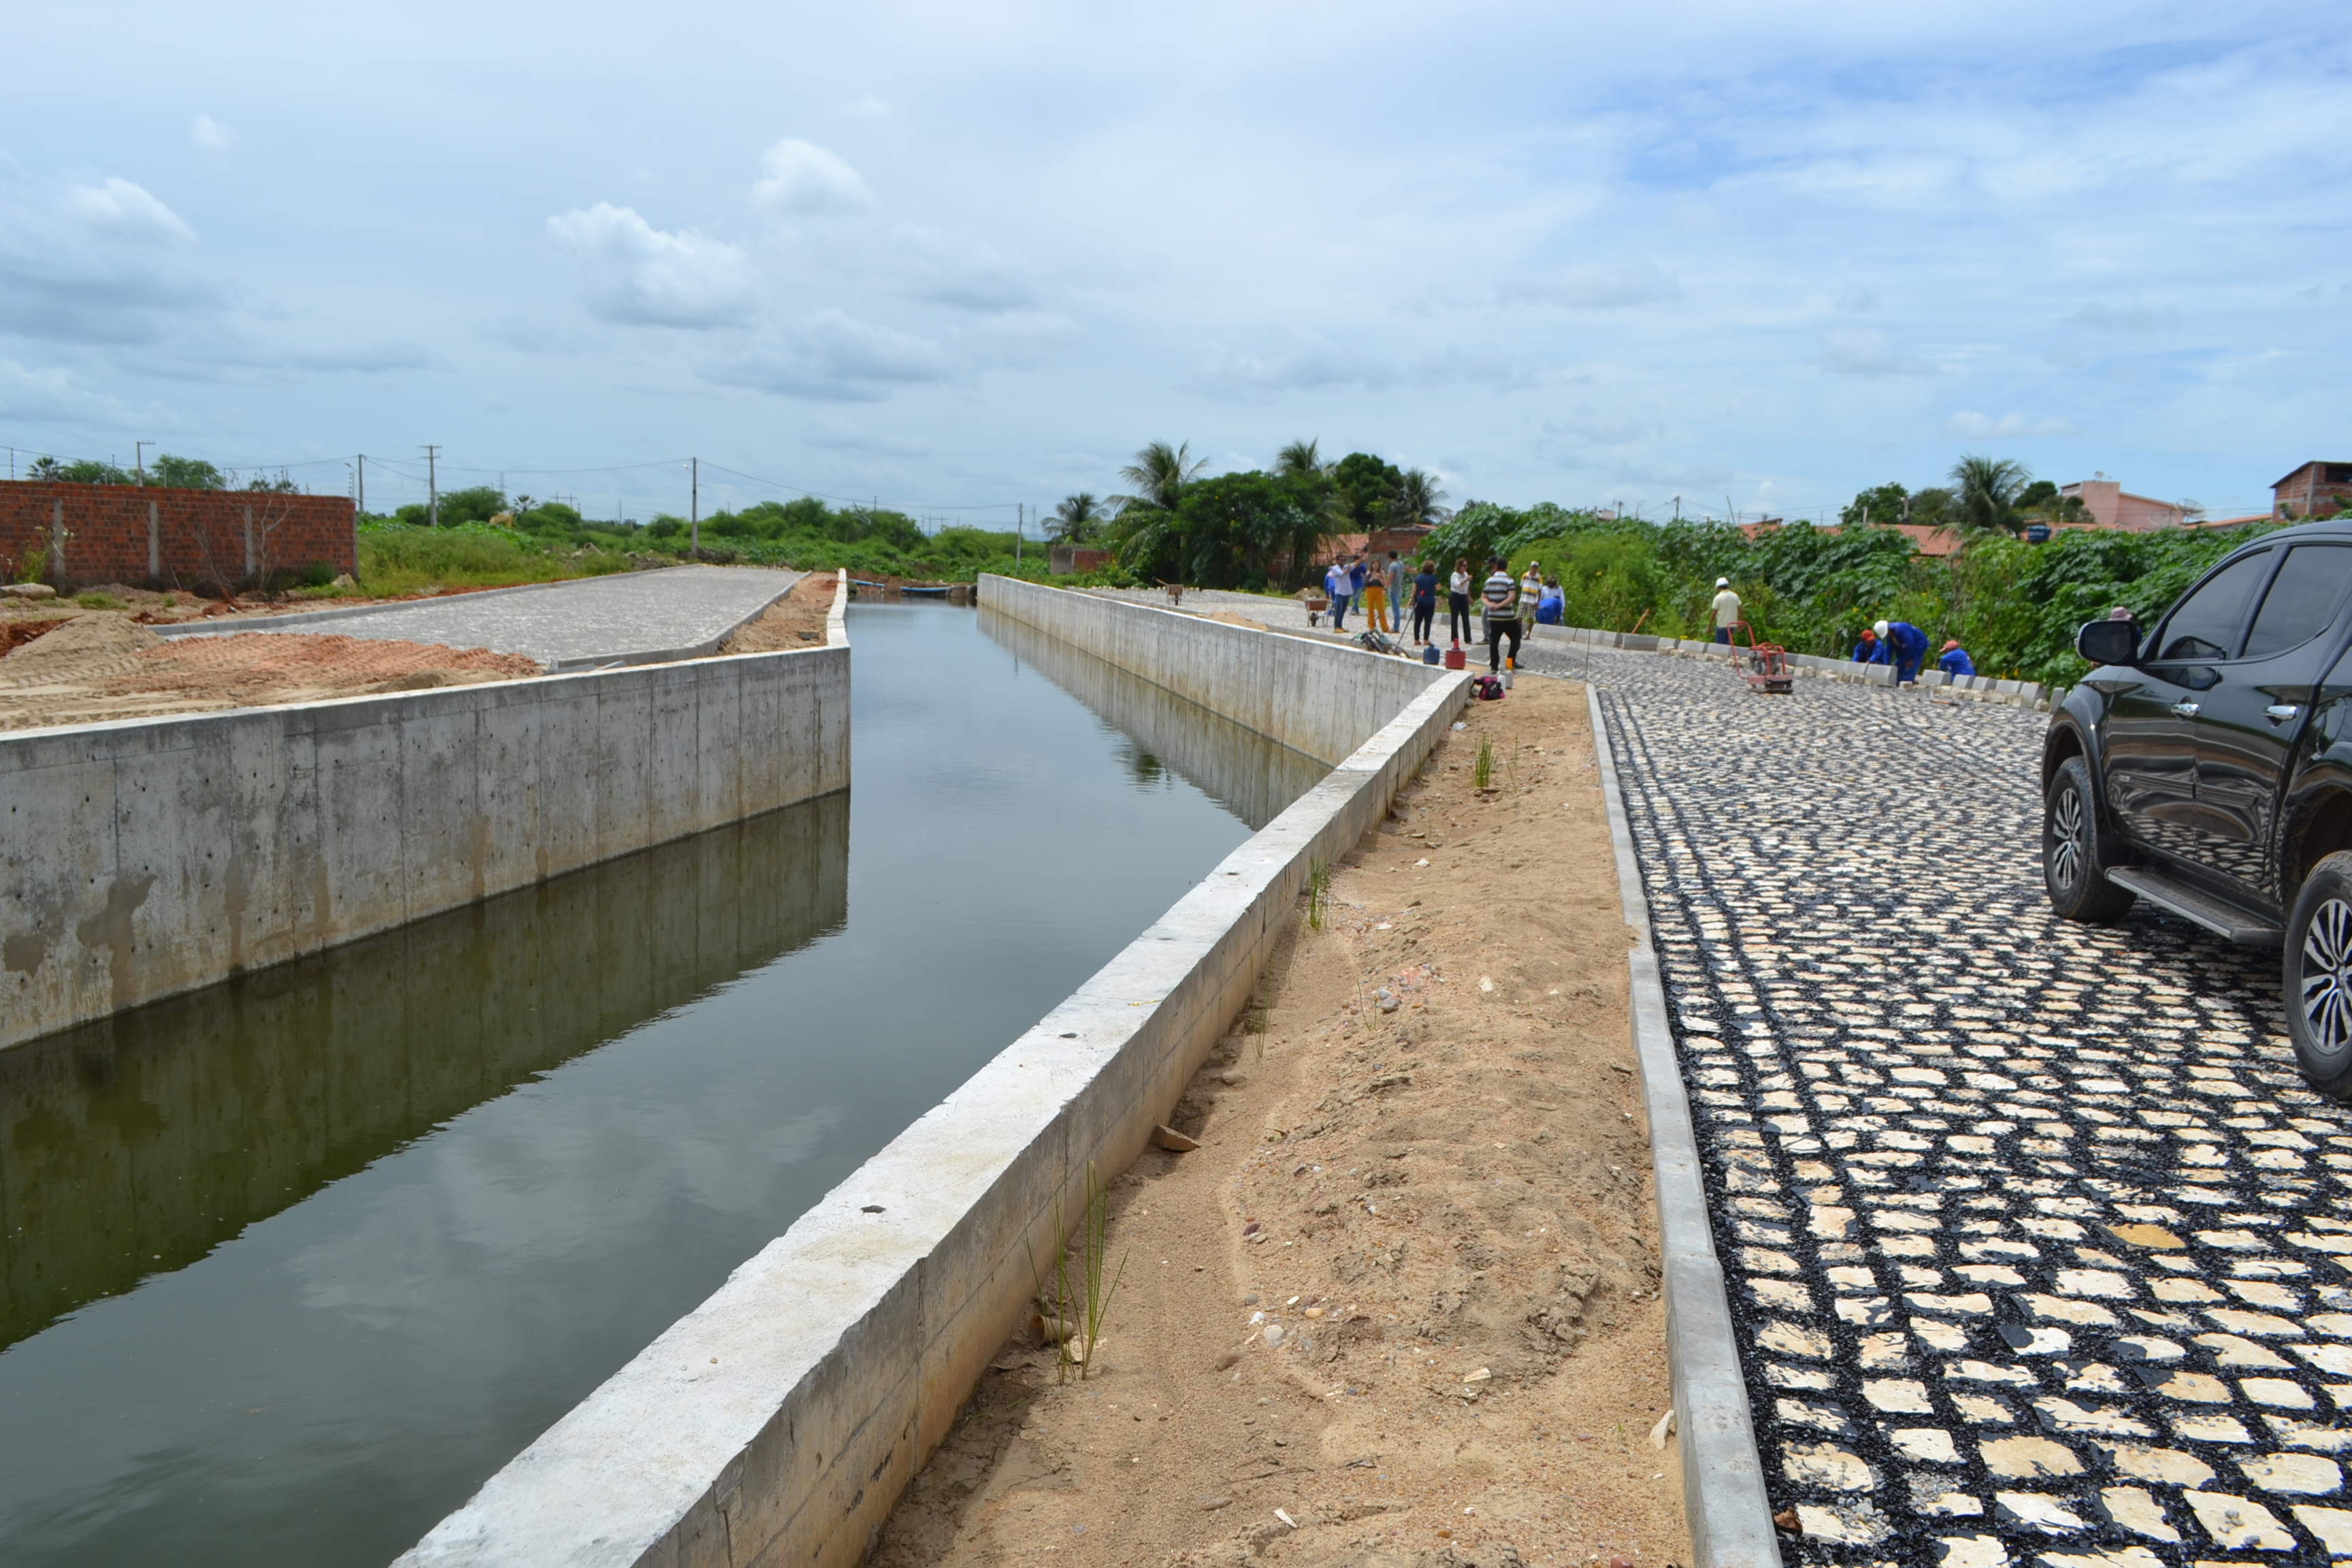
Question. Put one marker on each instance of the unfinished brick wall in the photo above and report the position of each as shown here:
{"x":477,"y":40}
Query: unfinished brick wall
{"x":153,"y":537}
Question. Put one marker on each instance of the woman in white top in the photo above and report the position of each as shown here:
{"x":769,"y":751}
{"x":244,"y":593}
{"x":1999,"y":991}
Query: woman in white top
{"x":1458,"y":598}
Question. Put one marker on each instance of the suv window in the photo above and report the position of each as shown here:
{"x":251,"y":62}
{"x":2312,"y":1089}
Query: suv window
{"x":2295,"y":609}
{"x":2206,"y":625}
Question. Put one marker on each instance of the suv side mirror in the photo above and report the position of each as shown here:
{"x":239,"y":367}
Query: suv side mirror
{"x":2108,"y":642}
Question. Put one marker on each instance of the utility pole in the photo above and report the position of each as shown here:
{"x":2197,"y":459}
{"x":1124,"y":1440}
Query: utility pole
{"x":362,"y":508}
{"x":1016,"y":533}
{"x":694,"y":508}
{"x":1678,"y":509}
{"x":139,"y":461}
{"x":432,"y":487}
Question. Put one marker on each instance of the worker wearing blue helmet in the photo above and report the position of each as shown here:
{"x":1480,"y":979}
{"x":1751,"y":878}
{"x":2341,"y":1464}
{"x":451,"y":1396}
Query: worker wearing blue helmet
{"x":1907,"y":646}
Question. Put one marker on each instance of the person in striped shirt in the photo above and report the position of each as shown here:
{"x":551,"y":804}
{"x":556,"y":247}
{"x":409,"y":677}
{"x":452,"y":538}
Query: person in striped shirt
{"x":1500,"y":601}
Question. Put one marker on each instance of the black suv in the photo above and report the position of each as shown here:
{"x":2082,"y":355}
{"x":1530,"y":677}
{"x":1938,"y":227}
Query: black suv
{"x":2208,"y":770}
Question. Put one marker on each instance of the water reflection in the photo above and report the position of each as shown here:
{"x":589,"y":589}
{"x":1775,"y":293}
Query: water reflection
{"x":1248,"y":774}
{"x":136,"y":1145}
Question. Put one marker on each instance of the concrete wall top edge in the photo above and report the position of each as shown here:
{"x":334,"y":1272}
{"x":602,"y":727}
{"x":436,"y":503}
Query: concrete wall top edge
{"x":378,"y":707}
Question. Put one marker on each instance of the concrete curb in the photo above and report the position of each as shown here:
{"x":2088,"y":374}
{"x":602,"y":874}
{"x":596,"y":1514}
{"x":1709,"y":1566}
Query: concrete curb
{"x":1724,"y":1500}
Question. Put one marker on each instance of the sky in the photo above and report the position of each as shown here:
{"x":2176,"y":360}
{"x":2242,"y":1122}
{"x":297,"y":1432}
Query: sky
{"x":961,"y":258}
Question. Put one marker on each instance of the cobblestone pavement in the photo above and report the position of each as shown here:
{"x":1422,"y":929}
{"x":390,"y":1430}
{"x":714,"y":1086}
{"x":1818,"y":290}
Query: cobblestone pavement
{"x":2037,"y":1244}
{"x":627,"y":614}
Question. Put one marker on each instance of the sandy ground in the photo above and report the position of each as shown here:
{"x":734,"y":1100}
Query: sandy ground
{"x":77,"y":666}
{"x":1406,"y":1292}
{"x":796,"y":620}
{"x":103,"y":665}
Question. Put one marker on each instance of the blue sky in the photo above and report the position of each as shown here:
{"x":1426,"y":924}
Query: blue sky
{"x":957,"y":256}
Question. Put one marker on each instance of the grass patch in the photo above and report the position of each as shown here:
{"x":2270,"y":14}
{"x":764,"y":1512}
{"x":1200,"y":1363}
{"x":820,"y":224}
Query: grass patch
{"x":400,"y":560}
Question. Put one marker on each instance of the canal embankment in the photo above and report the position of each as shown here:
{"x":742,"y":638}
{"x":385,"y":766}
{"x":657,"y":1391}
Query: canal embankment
{"x":1406,"y":1295}
{"x":791,"y":1408}
{"x":371,"y":1223}
{"x":147,"y":859}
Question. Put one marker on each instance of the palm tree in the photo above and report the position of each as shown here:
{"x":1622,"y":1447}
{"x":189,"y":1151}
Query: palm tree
{"x":1077,"y":517}
{"x":1300,"y":460}
{"x":1159,"y":474}
{"x":1987,"y":490}
{"x":1420,"y":499}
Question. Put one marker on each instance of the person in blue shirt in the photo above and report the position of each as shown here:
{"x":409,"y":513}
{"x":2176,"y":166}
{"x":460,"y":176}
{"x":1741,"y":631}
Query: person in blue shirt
{"x":1869,"y":650}
{"x":1907,"y":646}
{"x":1955,"y":660}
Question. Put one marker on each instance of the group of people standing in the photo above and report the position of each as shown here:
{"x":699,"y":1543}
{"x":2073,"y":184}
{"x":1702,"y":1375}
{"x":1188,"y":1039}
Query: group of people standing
{"x":1384,"y":592}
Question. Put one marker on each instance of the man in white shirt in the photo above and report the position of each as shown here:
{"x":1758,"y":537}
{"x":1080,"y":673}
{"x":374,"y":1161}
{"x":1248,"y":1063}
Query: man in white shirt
{"x":1726,"y":609}
{"x":1500,"y":601}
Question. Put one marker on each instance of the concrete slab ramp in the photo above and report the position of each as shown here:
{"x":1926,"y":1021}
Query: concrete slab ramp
{"x":779,"y":1421}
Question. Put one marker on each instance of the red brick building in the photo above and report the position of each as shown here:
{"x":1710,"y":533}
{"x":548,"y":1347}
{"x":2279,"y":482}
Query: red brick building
{"x":2315,"y":490}
{"x":151,"y":537}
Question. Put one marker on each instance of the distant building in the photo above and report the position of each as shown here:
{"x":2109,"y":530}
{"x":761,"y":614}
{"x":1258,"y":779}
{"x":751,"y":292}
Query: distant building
{"x":2315,"y":490}
{"x":2112,"y":506}
{"x":1064,"y":560}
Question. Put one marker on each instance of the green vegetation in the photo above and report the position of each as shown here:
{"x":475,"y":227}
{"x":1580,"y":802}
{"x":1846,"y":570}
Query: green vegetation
{"x":1073,"y":1313}
{"x":395,"y":558}
{"x":166,"y":471}
{"x":2014,"y":606}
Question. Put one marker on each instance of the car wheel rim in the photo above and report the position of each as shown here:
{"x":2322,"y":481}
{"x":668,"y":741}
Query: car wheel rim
{"x":2327,"y":976}
{"x":2066,"y":839}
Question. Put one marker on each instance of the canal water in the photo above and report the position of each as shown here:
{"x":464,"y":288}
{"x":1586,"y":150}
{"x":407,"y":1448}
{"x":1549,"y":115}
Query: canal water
{"x":287,"y":1268}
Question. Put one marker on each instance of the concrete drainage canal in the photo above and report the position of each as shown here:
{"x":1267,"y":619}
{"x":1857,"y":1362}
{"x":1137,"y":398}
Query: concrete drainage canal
{"x":289,"y":1265}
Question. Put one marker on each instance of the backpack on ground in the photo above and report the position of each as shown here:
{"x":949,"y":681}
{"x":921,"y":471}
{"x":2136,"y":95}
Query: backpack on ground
{"x":1488,"y":688}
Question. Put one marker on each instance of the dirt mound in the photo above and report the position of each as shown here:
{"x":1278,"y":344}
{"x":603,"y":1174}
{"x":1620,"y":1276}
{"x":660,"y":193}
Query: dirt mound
{"x":103,"y":666}
{"x":795,"y":621}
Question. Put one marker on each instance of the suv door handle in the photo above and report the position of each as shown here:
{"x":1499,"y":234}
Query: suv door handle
{"x":2280,"y":712}
{"x":2186,"y":710}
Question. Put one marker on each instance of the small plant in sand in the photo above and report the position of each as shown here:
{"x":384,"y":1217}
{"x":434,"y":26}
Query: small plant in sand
{"x":1482,"y":772}
{"x":1318,"y":893}
{"x":1073,"y":1311}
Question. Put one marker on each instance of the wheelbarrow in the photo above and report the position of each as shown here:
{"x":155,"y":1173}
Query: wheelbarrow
{"x":1763,"y":665}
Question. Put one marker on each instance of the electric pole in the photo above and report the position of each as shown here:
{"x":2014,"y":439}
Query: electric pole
{"x":1016,"y":533}
{"x":432,"y":487}
{"x":362,"y":508}
{"x":694,"y":508}
{"x":139,"y":461}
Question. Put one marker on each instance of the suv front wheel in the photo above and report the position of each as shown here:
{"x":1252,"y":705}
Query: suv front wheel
{"x":2071,"y":865}
{"x":2319,"y":980}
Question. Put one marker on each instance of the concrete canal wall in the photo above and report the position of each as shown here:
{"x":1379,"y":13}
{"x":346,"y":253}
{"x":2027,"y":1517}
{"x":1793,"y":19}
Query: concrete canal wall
{"x":779,"y":1421}
{"x":144,"y":859}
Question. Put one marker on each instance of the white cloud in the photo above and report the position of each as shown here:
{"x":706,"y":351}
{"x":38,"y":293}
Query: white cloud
{"x":833,"y":357}
{"x":52,"y":396}
{"x":1612,"y":288}
{"x":1977,"y":426}
{"x":1867,"y":353}
{"x":803,"y":178}
{"x":839,"y":434}
{"x":210,"y":135}
{"x":2125,"y":318}
{"x":638,"y":275}
{"x":103,"y":263}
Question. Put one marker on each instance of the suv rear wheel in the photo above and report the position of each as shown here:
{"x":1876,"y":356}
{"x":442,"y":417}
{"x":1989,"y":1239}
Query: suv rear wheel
{"x":2319,"y":980}
{"x":2072,"y":867}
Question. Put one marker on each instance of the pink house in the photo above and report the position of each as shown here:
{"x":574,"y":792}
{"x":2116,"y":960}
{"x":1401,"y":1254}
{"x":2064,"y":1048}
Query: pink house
{"x":2112,"y":506}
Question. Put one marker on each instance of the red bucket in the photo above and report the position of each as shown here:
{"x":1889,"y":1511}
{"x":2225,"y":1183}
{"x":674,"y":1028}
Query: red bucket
{"x":1455,"y":659}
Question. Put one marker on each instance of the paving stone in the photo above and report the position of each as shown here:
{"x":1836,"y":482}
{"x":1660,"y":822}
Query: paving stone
{"x":2062,"y":1181}
{"x":625,"y":615}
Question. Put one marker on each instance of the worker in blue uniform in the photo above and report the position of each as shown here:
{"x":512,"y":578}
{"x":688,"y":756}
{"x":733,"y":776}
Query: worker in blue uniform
{"x":1869,"y":650}
{"x":1955,"y":659}
{"x":1907,"y":646}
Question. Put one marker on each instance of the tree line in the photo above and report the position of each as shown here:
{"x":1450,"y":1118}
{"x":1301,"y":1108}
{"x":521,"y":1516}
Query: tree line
{"x":1254,"y":530}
